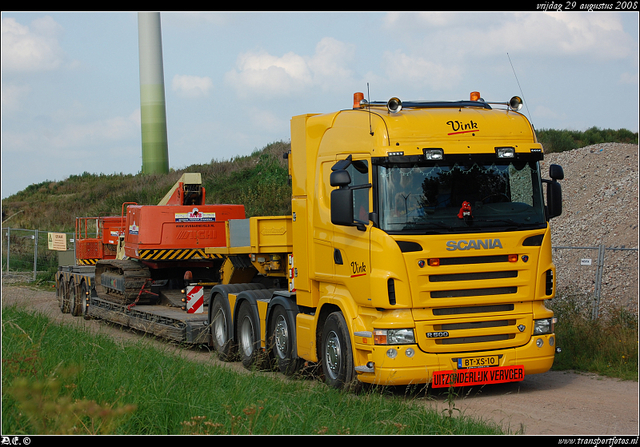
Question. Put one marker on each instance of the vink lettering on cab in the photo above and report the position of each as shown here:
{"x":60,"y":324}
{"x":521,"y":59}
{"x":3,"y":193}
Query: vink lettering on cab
{"x":459,"y":126}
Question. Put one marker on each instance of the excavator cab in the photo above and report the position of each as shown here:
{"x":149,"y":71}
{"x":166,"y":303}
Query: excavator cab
{"x":187,"y":191}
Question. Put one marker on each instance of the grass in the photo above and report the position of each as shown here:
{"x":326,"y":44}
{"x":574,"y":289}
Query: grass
{"x":63,"y":380}
{"x":607,"y":345}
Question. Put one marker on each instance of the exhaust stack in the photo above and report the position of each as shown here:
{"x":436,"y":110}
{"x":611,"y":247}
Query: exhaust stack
{"x":155,"y":152}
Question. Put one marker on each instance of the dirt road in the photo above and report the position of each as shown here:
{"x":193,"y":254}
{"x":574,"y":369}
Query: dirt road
{"x":554,"y":403}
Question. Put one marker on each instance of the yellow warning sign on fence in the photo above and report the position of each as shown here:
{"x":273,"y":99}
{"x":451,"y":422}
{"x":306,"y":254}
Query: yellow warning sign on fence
{"x":57,"y":241}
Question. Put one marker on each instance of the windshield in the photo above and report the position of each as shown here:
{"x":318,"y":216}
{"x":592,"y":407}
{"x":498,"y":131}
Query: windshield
{"x":437,"y":197}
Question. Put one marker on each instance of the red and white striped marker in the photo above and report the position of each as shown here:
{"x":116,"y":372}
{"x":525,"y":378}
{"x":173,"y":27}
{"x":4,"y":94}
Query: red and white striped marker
{"x":195,"y":299}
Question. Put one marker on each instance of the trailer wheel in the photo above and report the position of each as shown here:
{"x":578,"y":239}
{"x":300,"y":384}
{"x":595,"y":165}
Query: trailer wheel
{"x":221,"y":330}
{"x":63,"y":296}
{"x":248,"y":336}
{"x":281,"y":342}
{"x":75,"y":301}
{"x":335,"y":352}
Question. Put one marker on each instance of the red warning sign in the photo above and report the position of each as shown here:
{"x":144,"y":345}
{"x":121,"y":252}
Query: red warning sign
{"x":195,"y":299}
{"x":477,"y":376}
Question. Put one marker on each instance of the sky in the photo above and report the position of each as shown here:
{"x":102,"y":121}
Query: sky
{"x":71,"y":85}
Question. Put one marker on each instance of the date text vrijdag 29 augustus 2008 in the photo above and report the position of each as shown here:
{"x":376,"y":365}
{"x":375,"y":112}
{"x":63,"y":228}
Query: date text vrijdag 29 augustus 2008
{"x":570,"y":5}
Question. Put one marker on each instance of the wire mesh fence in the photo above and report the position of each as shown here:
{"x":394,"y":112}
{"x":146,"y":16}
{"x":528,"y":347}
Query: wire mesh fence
{"x":599,"y":278}
{"x":27,"y":254}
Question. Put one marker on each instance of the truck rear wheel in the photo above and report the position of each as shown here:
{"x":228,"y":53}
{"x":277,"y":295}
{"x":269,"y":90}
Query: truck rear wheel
{"x":335,"y":352}
{"x":248,"y":336}
{"x":221,"y":330}
{"x":281,"y":342}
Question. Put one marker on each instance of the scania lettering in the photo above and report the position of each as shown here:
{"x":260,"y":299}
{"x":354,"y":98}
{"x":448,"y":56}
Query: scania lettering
{"x":474,"y":244}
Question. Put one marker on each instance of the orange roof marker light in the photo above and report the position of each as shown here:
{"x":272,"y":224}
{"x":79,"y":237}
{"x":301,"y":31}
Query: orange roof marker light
{"x":358,"y":99}
{"x":474,"y":96}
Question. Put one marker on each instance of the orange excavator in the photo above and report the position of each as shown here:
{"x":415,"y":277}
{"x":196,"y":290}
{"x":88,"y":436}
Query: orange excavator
{"x":162,"y":246}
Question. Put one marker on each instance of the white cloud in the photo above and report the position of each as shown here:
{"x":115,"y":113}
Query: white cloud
{"x":328,"y":63}
{"x":600,"y":35}
{"x":262,"y":74}
{"x":29,"y":49}
{"x":477,"y":35}
{"x":192,"y":86}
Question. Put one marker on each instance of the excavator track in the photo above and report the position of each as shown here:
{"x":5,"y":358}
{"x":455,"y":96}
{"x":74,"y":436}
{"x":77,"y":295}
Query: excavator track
{"x":121,"y":281}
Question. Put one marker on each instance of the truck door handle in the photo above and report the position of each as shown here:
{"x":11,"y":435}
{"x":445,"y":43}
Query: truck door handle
{"x":337,"y":256}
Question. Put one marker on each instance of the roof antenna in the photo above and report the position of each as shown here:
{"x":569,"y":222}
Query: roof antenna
{"x":369,"y":109}
{"x":521,"y":93}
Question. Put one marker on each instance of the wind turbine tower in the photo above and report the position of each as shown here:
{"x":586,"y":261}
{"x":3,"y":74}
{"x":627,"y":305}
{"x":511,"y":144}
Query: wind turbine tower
{"x":153,"y":114}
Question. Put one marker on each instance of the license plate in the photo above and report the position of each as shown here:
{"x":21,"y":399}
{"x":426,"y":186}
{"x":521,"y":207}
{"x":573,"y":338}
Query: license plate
{"x":477,"y":376}
{"x":478,"y":362}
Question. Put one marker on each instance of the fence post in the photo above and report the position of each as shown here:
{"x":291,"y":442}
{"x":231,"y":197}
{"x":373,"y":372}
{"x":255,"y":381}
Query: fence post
{"x":599,"y":271}
{"x":35,"y":255}
{"x":8,"y":246}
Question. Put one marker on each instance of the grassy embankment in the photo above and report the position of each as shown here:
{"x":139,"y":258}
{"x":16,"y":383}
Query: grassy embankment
{"x":61,"y":379}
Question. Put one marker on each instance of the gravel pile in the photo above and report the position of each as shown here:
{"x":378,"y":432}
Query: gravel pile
{"x":600,"y":207}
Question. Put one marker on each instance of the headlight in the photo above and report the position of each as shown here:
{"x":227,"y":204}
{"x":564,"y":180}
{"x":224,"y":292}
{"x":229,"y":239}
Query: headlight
{"x":544,"y":326}
{"x":505,"y":152}
{"x":393,"y":337}
{"x":433,"y":154}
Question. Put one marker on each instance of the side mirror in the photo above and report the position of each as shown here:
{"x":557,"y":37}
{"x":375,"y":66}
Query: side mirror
{"x":342,"y":206}
{"x":554,"y":199}
{"x":554,"y":191}
{"x":556,"y":172}
{"x":340,"y":178}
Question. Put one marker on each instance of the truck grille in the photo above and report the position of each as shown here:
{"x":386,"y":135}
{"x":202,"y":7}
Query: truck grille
{"x":473,"y":309}
{"x":473,"y":303}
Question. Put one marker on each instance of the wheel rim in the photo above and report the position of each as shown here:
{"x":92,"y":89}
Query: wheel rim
{"x":246,"y":337}
{"x":281,"y":336}
{"x":332,"y":355}
{"x":220,"y":328}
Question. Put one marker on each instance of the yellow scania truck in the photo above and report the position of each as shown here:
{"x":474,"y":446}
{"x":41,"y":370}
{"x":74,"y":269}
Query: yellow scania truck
{"x":418,"y":250}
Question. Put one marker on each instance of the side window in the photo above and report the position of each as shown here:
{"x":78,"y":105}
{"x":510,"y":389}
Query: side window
{"x":359,"y":172}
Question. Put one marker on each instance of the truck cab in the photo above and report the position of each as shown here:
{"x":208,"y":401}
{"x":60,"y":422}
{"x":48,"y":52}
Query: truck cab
{"x":425,"y":226}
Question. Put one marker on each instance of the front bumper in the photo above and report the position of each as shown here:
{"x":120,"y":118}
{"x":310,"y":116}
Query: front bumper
{"x":413,"y":366}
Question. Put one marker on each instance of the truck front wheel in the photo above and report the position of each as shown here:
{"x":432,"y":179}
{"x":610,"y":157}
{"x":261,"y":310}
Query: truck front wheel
{"x":335,"y":351}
